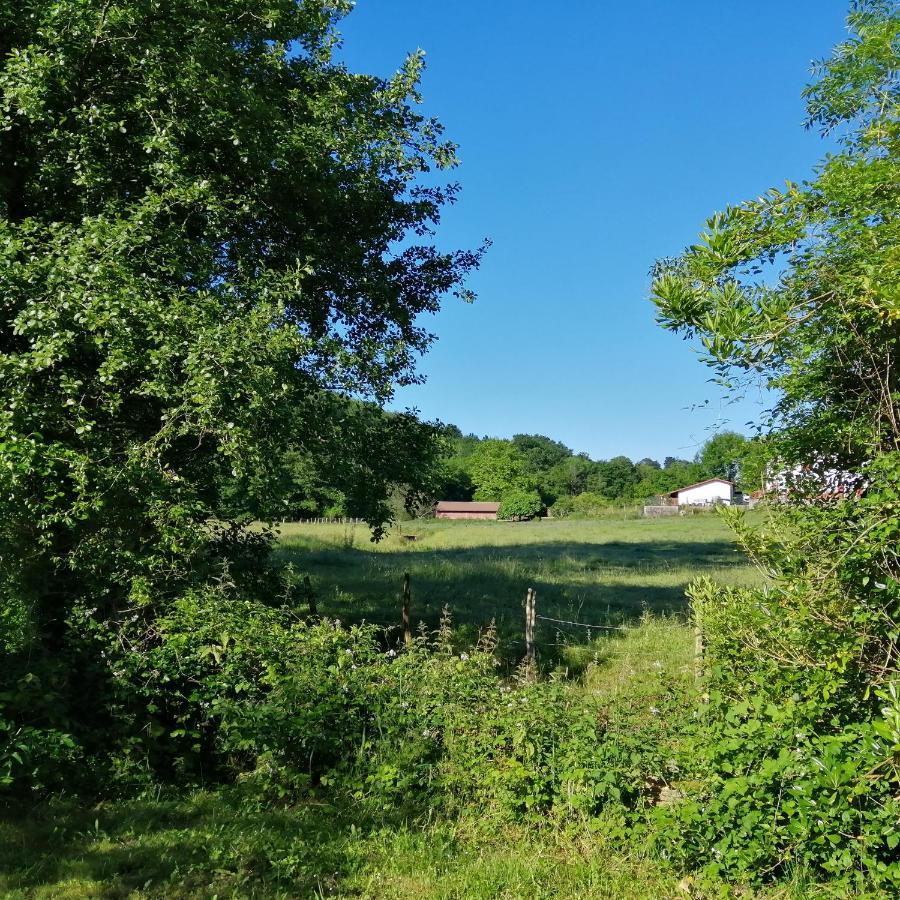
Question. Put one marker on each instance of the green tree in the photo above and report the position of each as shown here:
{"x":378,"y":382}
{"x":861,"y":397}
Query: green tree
{"x":211,"y":234}
{"x":541,"y":452}
{"x":567,"y":478}
{"x":756,"y":465}
{"x":456,"y":481}
{"x":403,"y":462}
{"x":722,"y":456}
{"x":614,"y":478}
{"x":496,"y":468}
{"x":801,"y":287}
{"x":520,"y":504}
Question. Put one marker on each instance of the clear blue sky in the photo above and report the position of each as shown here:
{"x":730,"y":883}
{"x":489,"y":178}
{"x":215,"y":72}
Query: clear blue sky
{"x":594,"y":138}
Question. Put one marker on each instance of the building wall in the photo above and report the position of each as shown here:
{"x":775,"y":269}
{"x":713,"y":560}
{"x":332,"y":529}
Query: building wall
{"x":715,"y":492}
{"x":466,"y":515}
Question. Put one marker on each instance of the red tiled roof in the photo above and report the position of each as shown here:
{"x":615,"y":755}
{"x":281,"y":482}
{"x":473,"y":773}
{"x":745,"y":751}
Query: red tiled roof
{"x":466,"y":506}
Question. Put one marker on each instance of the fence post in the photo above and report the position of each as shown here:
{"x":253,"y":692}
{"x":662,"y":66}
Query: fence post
{"x":698,"y":644}
{"x":407,"y":631}
{"x":530,"y":604}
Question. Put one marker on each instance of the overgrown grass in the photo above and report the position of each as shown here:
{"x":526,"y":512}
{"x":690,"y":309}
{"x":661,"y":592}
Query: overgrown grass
{"x":598,"y":572}
{"x":210,"y":845}
{"x":227,"y":843}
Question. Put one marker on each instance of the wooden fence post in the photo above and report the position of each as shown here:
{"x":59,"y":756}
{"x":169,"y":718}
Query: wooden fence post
{"x":530,"y":604}
{"x":698,"y":644}
{"x":407,"y":631}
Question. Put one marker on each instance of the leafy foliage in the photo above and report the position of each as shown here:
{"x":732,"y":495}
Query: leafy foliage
{"x":377,"y":464}
{"x":496,"y":468}
{"x":582,"y":506}
{"x":485,"y":468}
{"x":238,"y":690}
{"x":518,"y":504}
{"x":215,"y":250}
{"x":722,"y":456}
{"x":798,"y":752}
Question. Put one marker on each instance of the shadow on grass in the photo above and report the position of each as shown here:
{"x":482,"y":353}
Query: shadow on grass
{"x":207,"y":845}
{"x":610,"y":583}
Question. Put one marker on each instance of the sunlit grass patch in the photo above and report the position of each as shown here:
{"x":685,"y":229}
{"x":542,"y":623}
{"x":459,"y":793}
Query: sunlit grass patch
{"x":605,"y":572}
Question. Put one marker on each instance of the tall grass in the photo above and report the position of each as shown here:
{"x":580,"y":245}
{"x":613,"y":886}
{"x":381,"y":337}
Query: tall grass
{"x":599,"y":572}
{"x":630,"y":574}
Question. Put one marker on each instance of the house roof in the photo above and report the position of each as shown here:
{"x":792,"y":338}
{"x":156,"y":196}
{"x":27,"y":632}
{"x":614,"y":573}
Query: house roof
{"x":687,"y":487}
{"x":466,"y":506}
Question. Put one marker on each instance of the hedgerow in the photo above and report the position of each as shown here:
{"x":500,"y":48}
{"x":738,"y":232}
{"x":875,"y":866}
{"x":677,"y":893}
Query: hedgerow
{"x":224,"y":690}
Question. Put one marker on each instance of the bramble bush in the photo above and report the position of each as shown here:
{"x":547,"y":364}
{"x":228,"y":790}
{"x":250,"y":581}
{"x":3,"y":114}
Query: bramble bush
{"x":291,"y":706}
{"x":224,"y":690}
{"x":800,"y":740}
{"x":520,"y":504}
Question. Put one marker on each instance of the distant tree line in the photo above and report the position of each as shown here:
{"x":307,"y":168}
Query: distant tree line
{"x":573,"y":483}
{"x":527,"y":471}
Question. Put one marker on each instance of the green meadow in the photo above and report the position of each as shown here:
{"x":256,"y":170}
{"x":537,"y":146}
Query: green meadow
{"x":626,"y":573}
{"x":608,"y":572}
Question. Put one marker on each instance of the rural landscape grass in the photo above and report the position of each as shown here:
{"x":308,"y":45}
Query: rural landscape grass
{"x":224,"y":260}
{"x":599,"y":572}
{"x":226,"y":843}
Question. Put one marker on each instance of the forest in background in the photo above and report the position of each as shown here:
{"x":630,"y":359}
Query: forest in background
{"x":530,"y":467}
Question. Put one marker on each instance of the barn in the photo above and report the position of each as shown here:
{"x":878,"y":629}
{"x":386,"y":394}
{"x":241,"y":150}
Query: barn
{"x":458,"y":509}
{"x":705,"y":493}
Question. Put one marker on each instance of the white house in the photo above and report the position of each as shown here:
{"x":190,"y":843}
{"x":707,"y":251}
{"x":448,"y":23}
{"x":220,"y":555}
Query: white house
{"x":705,"y":493}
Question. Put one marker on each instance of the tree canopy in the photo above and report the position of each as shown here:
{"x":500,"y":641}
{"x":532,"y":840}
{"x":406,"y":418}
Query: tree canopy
{"x":208,"y":231}
{"x":216,"y":253}
{"x":801,"y":288}
{"x":485,"y":468}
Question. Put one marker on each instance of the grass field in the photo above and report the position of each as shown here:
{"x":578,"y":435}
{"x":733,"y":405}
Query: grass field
{"x":630,"y":573}
{"x":226,"y":844}
{"x":604,"y":572}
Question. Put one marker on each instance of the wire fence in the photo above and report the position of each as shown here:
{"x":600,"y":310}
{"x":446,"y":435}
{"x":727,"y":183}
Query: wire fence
{"x":583,"y":624}
{"x":531,"y":618}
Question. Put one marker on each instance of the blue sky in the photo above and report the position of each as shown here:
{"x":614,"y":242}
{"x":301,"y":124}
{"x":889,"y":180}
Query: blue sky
{"x":594,"y":138}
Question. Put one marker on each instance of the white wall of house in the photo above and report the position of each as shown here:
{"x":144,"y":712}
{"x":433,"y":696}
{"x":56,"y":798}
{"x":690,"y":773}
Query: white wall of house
{"x":712,"y":492}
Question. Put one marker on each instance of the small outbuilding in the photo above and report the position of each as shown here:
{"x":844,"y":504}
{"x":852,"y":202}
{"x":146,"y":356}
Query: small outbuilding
{"x":459,"y":509}
{"x":705,"y":493}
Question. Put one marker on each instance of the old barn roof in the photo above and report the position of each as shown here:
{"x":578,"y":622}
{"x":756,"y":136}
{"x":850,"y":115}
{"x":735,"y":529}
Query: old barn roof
{"x":687,"y":487}
{"x":466,"y":506}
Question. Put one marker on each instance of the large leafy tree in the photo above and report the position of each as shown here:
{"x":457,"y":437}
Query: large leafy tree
{"x":613,"y":478}
{"x":567,"y":478}
{"x":210,"y":232}
{"x":369,"y":450}
{"x":541,"y":452}
{"x":722,"y":455}
{"x":801,"y":287}
{"x":497,"y":467}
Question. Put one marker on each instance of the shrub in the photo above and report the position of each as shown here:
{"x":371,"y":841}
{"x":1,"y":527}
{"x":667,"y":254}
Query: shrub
{"x":581,"y":506}
{"x":799,"y":750}
{"x":520,"y":504}
{"x":223,"y":689}
{"x":38,"y":759}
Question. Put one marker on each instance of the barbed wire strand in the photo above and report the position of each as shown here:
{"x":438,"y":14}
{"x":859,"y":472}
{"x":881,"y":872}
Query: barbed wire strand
{"x":584,"y":624}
